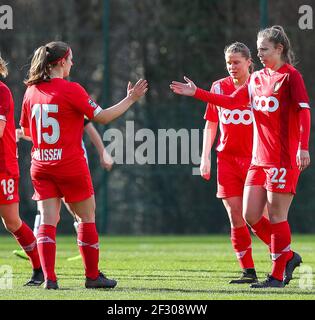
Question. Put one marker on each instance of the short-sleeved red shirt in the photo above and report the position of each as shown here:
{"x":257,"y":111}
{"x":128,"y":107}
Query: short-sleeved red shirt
{"x":236,"y":126}
{"x":276,"y":101}
{"x":8,"y":150}
{"x":54,"y":112}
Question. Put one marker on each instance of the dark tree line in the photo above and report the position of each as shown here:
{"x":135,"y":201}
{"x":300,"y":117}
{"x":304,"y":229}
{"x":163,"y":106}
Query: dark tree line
{"x":160,"y":40}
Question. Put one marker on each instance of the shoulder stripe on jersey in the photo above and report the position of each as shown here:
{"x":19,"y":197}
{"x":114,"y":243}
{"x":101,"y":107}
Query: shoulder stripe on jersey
{"x":3,"y":118}
{"x":217,"y":88}
{"x":304,"y":105}
{"x":97,"y":111}
{"x":249,"y":94}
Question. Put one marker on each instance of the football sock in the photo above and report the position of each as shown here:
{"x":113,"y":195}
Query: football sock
{"x":27,"y":241}
{"x":242,"y":244}
{"x":46,"y":242}
{"x":89,"y":248}
{"x":262,"y":229}
{"x":280,"y":248}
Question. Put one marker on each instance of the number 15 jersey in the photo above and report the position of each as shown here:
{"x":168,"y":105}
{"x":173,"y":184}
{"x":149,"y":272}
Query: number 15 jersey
{"x":54,"y":113}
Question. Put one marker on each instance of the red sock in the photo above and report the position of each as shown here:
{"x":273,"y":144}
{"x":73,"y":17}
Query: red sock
{"x":88,"y":246}
{"x":25,"y":237}
{"x":242,"y":244}
{"x":262,"y":229}
{"x":46,"y":242}
{"x":280,"y":248}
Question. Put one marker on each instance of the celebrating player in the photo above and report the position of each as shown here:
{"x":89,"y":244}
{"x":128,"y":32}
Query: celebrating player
{"x":280,"y":147}
{"x":9,"y":179}
{"x":53,"y":115}
{"x":233,"y":153}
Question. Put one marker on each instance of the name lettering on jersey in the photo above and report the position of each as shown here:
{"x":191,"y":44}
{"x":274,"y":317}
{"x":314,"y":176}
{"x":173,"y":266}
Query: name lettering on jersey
{"x":47,"y":154}
{"x":236,"y":116}
{"x":269,"y":104}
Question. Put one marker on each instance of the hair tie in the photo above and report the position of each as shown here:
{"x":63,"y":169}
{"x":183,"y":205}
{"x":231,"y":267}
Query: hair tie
{"x":63,"y":57}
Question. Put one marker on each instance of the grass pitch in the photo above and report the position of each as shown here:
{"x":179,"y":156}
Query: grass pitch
{"x":155,"y":268}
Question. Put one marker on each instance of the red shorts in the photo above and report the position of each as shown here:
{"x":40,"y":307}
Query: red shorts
{"x":9,"y":189}
{"x":231,"y":175}
{"x":72,"y":188}
{"x":281,"y":180}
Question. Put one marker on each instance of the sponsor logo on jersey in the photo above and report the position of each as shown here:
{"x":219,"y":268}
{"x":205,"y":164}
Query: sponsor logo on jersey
{"x":280,"y":186}
{"x":10,"y":197}
{"x":257,"y":82}
{"x":263,"y":103}
{"x":236,"y":116}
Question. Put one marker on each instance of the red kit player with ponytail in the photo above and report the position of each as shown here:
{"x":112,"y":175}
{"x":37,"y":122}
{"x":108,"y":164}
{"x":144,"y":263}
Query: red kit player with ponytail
{"x":281,"y":111}
{"x":53,"y":115}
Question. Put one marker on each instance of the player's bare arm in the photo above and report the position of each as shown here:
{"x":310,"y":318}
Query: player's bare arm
{"x":134,"y":93}
{"x":185,"y":89}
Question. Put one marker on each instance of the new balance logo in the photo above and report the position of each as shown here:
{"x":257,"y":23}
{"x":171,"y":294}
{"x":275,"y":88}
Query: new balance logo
{"x":280,"y":186}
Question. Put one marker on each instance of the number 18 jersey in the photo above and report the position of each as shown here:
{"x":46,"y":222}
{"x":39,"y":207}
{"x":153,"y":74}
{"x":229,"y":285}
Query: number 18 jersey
{"x":54,"y":112}
{"x":8,"y":151}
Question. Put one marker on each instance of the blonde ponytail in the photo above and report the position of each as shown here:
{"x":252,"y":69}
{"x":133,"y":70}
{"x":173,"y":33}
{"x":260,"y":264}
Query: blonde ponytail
{"x":3,"y":68}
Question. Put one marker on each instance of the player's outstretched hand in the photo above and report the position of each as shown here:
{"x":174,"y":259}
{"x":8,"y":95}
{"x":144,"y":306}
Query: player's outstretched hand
{"x":138,"y":90}
{"x":184,"y":89}
{"x":303,"y":159}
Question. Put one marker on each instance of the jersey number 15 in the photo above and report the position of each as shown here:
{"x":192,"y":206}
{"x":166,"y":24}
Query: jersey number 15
{"x":41,"y":114}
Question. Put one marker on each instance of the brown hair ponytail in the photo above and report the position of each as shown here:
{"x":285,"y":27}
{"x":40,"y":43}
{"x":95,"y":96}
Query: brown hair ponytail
{"x":45,"y":58}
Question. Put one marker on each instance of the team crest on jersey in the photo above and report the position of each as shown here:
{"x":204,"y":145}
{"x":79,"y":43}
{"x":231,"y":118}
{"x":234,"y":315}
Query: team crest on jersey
{"x":93,"y":104}
{"x":276,"y":87}
{"x":257,"y":82}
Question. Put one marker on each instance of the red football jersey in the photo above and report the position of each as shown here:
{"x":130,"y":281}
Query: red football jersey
{"x":236,"y":126}
{"x":54,"y":112}
{"x":276,"y":99}
{"x":8,"y":150}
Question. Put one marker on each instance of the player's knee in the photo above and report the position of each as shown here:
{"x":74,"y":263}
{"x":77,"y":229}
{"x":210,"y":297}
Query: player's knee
{"x":235,"y":216}
{"x":249,"y":218}
{"x":88,"y":218}
{"x":237,"y":222}
{"x":12,"y":225}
